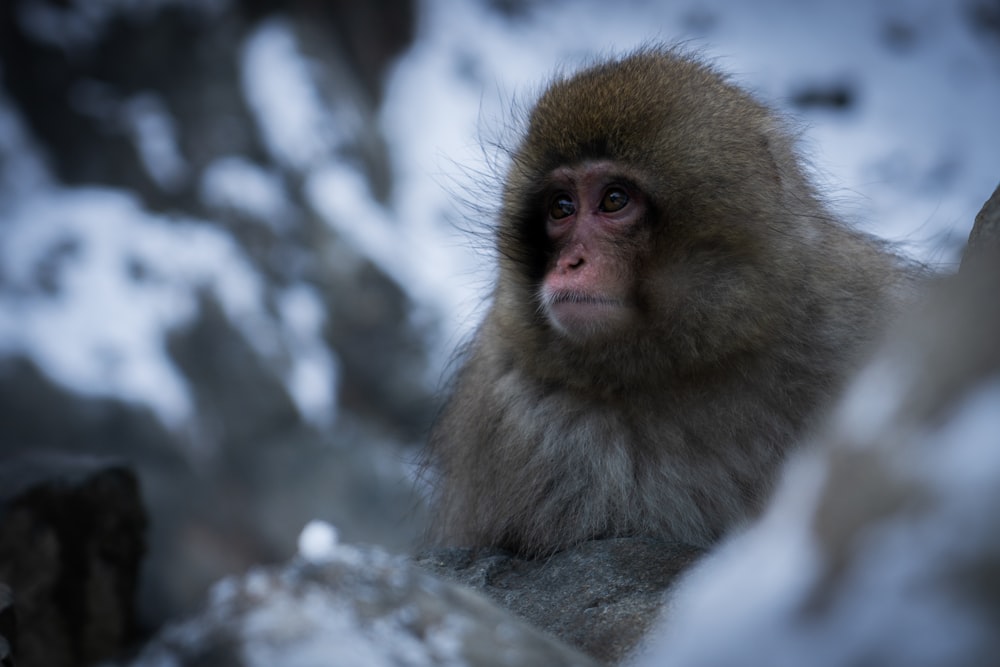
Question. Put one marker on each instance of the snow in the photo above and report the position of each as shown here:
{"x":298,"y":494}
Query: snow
{"x":407,"y":253}
{"x":783,"y":561}
{"x":341,"y":196}
{"x":235,"y":183}
{"x":280,"y":89}
{"x":144,"y":117}
{"x":94,"y":283}
{"x":312,"y":376}
{"x":322,"y":627}
{"x":317,"y":541}
{"x":901,"y":579}
{"x":917,"y":155}
{"x":352,"y":606}
{"x":154,"y":134}
{"x":912,"y":160}
{"x":875,"y":401}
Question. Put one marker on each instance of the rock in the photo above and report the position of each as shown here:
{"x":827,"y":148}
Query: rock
{"x":600,"y":596}
{"x":222,"y":513}
{"x":240,"y":400}
{"x":72,"y":535}
{"x":8,"y":627}
{"x":355,"y":606}
{"x":881,"y":545}
{"x":984,"y":240}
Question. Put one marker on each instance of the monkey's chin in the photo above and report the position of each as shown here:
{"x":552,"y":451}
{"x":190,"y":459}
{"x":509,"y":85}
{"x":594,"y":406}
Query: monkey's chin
{"x":584,"y":317}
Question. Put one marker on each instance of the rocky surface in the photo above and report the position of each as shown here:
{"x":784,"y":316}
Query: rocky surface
{"x":984,"y":240}
{"x":353,"y":606}
{"x":600,"y":596}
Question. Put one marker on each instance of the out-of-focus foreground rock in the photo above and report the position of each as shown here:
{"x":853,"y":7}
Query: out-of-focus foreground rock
{"x":355,"y":606}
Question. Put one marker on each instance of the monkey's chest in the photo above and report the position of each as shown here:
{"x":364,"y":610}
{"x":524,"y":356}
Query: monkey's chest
{"x":662,"y":471}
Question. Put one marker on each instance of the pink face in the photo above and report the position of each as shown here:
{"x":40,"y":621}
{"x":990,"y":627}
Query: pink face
{"x":591,"y":209}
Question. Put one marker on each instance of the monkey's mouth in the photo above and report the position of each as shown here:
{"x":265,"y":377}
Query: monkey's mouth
{"x":581,"y":298}
{"x":581,"y":314}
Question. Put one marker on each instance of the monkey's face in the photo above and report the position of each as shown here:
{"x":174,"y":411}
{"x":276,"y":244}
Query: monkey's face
{"x":645,"y":208}
{"x":594,"y":214}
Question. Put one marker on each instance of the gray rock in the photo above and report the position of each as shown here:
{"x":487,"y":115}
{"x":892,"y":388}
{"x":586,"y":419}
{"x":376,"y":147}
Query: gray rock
{"x":599,"y":596}
{"x":354,"y":606}
{"x":72,"y":537}
{"x":984,"y":240}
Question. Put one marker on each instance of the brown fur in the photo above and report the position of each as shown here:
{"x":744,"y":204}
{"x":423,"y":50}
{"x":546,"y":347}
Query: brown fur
{"x":752,"y":304}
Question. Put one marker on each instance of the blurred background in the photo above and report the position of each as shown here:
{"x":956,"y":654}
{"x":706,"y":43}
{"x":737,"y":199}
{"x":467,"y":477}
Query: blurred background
{"x":234,"y":234}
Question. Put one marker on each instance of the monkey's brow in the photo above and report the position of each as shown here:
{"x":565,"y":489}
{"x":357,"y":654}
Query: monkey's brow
{"x":551,"y":182}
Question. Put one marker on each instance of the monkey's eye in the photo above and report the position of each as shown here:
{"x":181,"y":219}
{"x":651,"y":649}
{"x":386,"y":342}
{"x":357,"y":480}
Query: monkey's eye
{"x":561,"y":207}
{"x":614,"y":199}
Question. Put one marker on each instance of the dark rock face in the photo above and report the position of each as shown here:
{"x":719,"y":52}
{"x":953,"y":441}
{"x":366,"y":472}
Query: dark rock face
{"x":72,"y":537}
{"x":600,"y":596}
{"x":357,"y":606}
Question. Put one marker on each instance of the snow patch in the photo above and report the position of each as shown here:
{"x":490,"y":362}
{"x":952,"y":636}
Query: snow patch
{"x":94,"y":283}
{"x":237,"y":184}
{"x":154,"y":134}
{"x":317,"y":541}
{"x":297,"y":128}
{"x":313,"y":377}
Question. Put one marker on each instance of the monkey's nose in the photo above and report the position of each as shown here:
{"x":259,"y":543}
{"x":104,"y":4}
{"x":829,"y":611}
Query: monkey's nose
{"x":571,"y":260}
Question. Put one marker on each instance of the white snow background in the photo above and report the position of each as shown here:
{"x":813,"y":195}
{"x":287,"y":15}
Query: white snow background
{"x":912,"y":160}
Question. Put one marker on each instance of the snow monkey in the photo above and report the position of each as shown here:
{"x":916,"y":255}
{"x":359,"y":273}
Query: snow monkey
{"x":674,"y":306}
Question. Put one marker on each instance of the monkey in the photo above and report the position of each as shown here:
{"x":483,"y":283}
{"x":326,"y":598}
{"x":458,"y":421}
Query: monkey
{"x":674,"y":305}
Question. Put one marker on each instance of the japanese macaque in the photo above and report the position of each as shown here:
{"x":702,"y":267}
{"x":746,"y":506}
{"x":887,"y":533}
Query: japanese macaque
{"x":674,"y":306}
